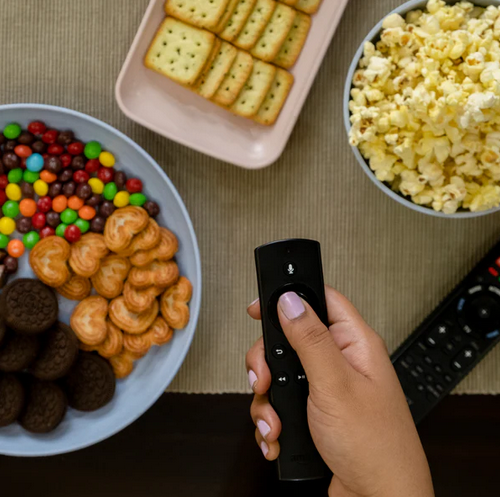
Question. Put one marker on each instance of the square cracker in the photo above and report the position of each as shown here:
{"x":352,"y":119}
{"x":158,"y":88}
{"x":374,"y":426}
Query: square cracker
{"x":201,"y":13}
{"x":227,"y":15}
{"x":275,"y":33}
{"x":218,"y":70}
{"x":308,"y":6}
{"x":236,"y":22}
{"x":255,"y":90}
{"x":255,"y":24}
{"x":289,"y":2}
{"x":294,"y":42}
{"x":179,"y":51}
{"x":235,"y":79}
{"x":275,"y":98}
{"x":208,"y":63}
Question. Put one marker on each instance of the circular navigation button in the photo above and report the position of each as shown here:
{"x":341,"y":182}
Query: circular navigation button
{"x":279,"y":351}
{"x":281,"y":378}
{"x":480,"y":313}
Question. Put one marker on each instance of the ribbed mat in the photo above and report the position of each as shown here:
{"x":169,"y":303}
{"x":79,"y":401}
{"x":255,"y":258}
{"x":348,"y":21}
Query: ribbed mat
{"x":394,"y":264}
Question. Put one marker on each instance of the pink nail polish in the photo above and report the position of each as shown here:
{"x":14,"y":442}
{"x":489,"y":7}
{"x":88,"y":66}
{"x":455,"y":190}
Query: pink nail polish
{"x":254,"y":302}
{"x":291,"y":305}
{"x":264,"y":448}
{"x":252,"y":379}
{"x":263,"y":427}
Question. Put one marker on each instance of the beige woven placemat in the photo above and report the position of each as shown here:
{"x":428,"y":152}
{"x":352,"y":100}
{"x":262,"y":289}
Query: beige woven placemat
{"x":393,"y":263}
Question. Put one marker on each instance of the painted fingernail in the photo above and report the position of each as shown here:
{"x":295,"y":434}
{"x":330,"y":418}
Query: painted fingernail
{"x":291,"y":305}
{"x":264,"y":448}
{"x":252,"y":379}
{"x":263,"y":427}
{"x":254,"y":302}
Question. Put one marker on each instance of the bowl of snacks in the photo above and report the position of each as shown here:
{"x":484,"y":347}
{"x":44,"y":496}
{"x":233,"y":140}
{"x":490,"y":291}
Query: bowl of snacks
{"x":422,"y":106}
{"x":100,"y":280}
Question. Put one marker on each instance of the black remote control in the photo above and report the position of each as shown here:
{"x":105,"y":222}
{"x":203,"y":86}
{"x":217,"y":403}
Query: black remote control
{"x":453,"y":339}
{"x":290,"y":266}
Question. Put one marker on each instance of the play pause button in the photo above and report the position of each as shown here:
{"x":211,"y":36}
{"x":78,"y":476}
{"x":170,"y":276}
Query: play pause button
{"x":281,"y":378}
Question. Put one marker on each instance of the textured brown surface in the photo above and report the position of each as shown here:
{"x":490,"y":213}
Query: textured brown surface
{"x":393,"y":263}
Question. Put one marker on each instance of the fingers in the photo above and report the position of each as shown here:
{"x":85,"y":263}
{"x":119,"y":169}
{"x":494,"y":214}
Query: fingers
{"x":265,"y":418}
{"x":254,"y":309}
{"x":259,"y":375}
{"x":320,"y":356}
{"x":270,"y":450}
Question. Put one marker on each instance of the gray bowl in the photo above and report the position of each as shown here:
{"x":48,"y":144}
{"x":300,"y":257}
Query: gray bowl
{"x":373,"y":36}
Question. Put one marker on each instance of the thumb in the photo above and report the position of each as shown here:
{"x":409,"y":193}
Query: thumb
{"x":321,"y":358}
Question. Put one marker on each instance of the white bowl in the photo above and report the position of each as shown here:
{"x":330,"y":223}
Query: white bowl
{"x":152,"y":374}
{"x":373,"y":36}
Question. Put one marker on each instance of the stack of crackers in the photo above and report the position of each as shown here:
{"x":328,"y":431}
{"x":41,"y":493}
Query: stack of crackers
{"x":233,"y":52}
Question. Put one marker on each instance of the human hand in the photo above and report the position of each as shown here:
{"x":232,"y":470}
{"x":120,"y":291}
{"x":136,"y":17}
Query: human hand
{"x":358,"y":415}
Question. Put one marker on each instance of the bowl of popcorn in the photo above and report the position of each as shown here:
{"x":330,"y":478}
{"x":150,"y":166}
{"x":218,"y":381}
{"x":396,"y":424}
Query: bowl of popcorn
{"x":422,"y":106}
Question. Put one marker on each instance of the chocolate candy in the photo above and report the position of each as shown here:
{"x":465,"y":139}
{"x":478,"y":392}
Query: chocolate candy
{"x":53,"y":164}
{"x":55,"y":189}
{"x":23,"y":224}
{"x":65,"y":137}
{"x":27,"y":190}
{"x":10,"y":160}
{"x":10,"y":264}
{"x":65,"y":175}
{"x":78,"y":163}
{"x":2,"y":139}
{"x":39,"y":147}
{"x":152,"y":207}
{"x":94,"y":200}
{"x":120,"y":179}
{"x":97,"y":224}
{"x":53,"y":219}
{"x":3,"y":276}
{"x":10,"y":145}
{"x":2,"y":168}
{"x":26,"y":138}
{"x":69,"y":189}
{"x":106,"y":209}
{"x":84,"y":191}
{"x":3,"y":255}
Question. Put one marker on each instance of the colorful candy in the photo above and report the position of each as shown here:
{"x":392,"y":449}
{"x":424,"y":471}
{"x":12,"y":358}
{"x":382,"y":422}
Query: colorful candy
{"x":92,"y":150}
{"x":97,"y":185}
{"x":31,"y":239}
{"x":15,"y":175}
{"x":134,"y":185}
{"x":61,"y":229}
{"x":44,"y":204}
{"x":50,"y":136}
{"x":68,"y":216}
{"x":30,"y":176}
{"x":13,"y":192}
{"x":47,"y":231}
{"x":10,"y":209}
{"x":23,"y":151}
{"x":47,"y":176}
{"x":72,"y":233}
{"x":38,"y":220}
{"x":15,"y":248}
{"x":34,"y":163}
{"x":59,"y":203}
{"x":121,"y":199}
{"x":138,"y":199}
{"x":7,"y":226}
{"x":41,"y":188}
{"x":110,"y":190}
{"x":81,"y":177}
{"x":36,"y":127}
{"x":107,"y":159}
{"x":27,"y":207}
{"x":83,"y":225}
{"x":75,"y":203}
{"x":3,"y":197}
{"x":55,"y":149}
{"x":12,"y":131}
{"x":92,"y":166}
{"x":4,"y":241}
{"x":75,"y":148}
{"x":4,"y":181}
{"x":87,"y":213}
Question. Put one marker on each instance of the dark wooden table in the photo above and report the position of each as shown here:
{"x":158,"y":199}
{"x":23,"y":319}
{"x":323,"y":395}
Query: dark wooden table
{"x":203,"y":446}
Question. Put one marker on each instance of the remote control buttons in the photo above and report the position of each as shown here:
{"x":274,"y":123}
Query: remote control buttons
{"x":464,"y":359}
{"x":290,"y":268}
{"x":438,"y":334}
{"x":281,"y":379}
{"x":301,"y":378}
{"x":279,"y":351}
{"x":480,"y":312}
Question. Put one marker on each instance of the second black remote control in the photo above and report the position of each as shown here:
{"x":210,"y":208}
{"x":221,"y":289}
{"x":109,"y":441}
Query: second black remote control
{"x":290,"y":266}
{"x":453,"y":339}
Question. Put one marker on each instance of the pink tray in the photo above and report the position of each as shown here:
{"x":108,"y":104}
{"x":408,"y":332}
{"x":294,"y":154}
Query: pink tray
{"x":179,"y":114}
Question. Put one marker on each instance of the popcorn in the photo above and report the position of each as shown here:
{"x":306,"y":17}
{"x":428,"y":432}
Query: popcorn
{"x":425,"y":108}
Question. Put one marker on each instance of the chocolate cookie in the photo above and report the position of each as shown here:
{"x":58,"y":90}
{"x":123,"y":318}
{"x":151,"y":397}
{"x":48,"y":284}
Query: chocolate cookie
{"x":57,"y":354}
{"x":28,"y":306}
{"x":90,"y":383}
{"x":18,"y":352}
{"x":45,"y":407}
{"x":11,"y":398}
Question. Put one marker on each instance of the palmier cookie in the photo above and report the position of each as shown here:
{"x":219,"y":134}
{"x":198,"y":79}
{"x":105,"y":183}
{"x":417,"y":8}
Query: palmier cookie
{"x":164,"y":251}
{"x":113,"y":344}
{"x":90,"y":384}
{"x":145,"y":240}
{"x":48,"y":259}
{"x":131,"y":322}
{"x":76,"y":288}
{"x":86,"y":255}
{"x":122,"y":364}
{"x":140,"y":300}
{"x":11,"y":398}
{"x":18,"y":352}
{"x":123,"y":225}
{"x":158,"y":273}
{"x":45,"y":407}
{"x":57,"y":354}
{"x":109,"y":279}
{"x":158,"y":334}
{"x":88,"y":320}
{"x":173,"y":304}
{"x":28,"y":306}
